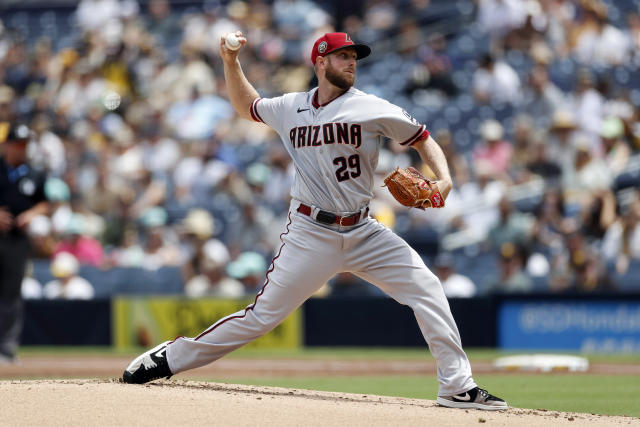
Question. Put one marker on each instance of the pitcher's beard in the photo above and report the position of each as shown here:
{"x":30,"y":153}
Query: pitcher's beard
{"x":338,"y":80}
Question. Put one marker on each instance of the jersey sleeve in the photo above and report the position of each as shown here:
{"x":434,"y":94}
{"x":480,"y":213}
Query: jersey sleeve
{"x":398,"y":125}
{"x":269,"y":111}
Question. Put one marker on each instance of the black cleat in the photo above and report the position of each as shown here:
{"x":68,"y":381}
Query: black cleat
{"x":475,"y":398}
{"x":149,"y":366}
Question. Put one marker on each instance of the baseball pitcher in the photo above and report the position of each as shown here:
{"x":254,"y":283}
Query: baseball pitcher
{"x":333,"y":134}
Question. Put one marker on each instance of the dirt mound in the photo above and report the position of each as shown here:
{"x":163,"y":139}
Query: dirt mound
{"x":110,"y":402}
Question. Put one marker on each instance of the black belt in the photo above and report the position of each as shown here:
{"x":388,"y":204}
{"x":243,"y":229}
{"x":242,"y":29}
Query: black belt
{"x":329,"y":218}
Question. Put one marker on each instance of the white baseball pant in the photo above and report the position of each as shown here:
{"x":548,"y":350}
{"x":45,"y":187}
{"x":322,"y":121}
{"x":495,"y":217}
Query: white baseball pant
{"x":312,"y":253}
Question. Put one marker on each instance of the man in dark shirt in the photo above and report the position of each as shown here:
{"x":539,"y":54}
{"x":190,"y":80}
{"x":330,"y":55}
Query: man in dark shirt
{"x":21,"y":199}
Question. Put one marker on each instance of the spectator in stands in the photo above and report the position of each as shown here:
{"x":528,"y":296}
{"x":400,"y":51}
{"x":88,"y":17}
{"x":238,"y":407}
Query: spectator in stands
{"x":42,"y":240}
{"x":251,"y":230}
{"x":512,"y":226}
{"x":587,"y":104}
{"x":530,"y":30}
{"x":496,"y":82}
{"x":276,"y":194}
{"x":633,"y":33}
{"x":80,"y":91}
{"x":598,"y":42}
{"x":560,"y":16}
{"x":621,"y":241}
{"x":160,"y":245}
{"x":578,"y":268}
{"x":455,"y":285}
{"x":130,"y":252}
{"x":31,"y":288}
{"x":434,"y":71}
{"x":511,"y":277}
{"x":163,"y":25}
{"x":197,"y":115}
{"x":150,"y":190}
{"x":551,"y":222}
{"x":48,"y":150}
{"x":616,"y":150}
{"x":197,"y":228}
{"x":494,"y":153}
{"x":590,"y":275}
{"x":541,"y":163}
{"x":94,"y":15}
{"x":212,"y":279}
{"x":106,"y":198}
{"x":7,"y":97}
{"x":67,"y":285}
{"x":523,"y":137}
{"x":588,"y":175}
{"x":498,"y":17}
{"x":160,"y":154}
{"x":117,"y":164}
{"x":58,"y":194}
{"x":249,"y":268}
{"x":476,"y":209}
{"x":76,"y":242}
{"x":541,"y":96}
{"x":457,"y":161}
{"x":598,"y":215}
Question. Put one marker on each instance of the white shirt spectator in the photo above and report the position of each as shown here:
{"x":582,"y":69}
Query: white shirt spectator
{"x":74,"y":288}
{"x":160,"y":156}
{"x":94,"y":14}
{"x":500,"y":84}
{"x":594,"y":176}
{"x":588,"y":108}
{"x":220,"y":26}
{"x":200,"y":286}
{"x":613,"y":242}
{"x":606,"y":48}
{"x":298,"y":16}
{"x":31,"y":288}
{"x":459,"y":286}
{"x":187,"y":171}
{"x":48,"y":151}
{"x":77,"y":95}
{"x":497,"y":17}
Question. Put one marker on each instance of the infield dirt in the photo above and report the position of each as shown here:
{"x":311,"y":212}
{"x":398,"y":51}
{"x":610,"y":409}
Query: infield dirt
{"x":110,"y":402}
{"x":186,"y":401}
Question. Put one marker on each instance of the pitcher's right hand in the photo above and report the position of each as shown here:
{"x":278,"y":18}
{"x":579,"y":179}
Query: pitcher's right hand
{"x":229,"y":56}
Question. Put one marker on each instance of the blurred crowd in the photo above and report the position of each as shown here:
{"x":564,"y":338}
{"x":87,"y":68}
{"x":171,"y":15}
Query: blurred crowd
{"x":149,"y":167}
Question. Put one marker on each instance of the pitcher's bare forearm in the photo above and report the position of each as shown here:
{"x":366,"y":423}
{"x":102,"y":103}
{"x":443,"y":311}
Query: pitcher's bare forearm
{"x":241,"y":92}
{"x":431,"y":153}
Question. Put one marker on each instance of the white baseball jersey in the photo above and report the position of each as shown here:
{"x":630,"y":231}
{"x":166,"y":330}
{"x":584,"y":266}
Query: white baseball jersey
{"x":335,"y":151}
{"x":335,"y":146}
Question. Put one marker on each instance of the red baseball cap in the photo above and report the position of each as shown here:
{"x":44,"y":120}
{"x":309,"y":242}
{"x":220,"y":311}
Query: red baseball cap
{"x":331,"y":42}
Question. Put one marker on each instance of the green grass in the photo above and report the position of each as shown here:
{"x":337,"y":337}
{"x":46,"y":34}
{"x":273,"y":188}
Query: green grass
{"x":598,"y":394}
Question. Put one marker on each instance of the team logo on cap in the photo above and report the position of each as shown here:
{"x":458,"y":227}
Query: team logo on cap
{"x":322,"y":47}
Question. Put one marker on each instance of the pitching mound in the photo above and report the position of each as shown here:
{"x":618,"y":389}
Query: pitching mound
{"x":109,"y":402}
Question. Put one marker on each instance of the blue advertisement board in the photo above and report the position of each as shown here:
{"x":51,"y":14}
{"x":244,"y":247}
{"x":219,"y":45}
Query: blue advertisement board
{"x":586,"y":326}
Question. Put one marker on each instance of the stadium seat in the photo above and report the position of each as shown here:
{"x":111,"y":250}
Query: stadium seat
{"x":630,"y":280}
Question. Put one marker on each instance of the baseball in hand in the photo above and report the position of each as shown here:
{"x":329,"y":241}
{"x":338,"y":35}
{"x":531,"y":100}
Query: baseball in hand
{"x":232,"y":42}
